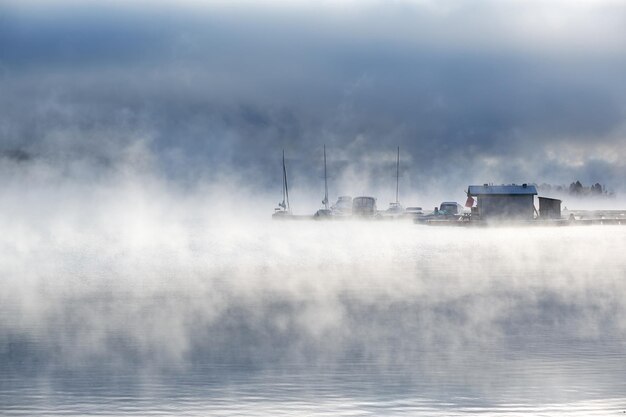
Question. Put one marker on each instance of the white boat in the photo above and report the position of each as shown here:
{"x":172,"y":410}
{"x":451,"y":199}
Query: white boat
{"x":343,"y":206}
{"x":325,"y":212}
{"x":283,"y":210}
{"x":395,"y":209}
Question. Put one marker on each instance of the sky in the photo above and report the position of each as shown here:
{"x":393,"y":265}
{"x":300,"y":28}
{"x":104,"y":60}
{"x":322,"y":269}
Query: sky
{"x":211,"y":92}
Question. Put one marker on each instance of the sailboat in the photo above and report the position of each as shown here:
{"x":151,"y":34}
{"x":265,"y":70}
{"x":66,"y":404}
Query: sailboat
{"x":283,"y":210}
{"x":395,"y":208}
{"x":325,"y":212}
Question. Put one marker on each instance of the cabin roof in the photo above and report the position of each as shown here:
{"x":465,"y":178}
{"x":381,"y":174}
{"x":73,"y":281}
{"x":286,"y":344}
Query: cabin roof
{"x":512,"y":189}
{"x":550,"y":199}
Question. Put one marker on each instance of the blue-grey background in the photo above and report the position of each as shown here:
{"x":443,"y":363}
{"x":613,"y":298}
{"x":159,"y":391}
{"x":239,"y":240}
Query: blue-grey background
{"x":472,"y":92}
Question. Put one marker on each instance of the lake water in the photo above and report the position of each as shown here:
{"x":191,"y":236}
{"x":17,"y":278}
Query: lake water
{"x":314,"y":319}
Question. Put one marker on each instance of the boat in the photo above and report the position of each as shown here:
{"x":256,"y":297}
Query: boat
{"x":451,"y":208}
{"x":364,"y":206}
{"x":413,"y":212}
{"x":447,"y":211}
{"x":283,"y":211}
{"x":325,"y":212}
{"x":395,"y":209}
{"x":343,"y":206}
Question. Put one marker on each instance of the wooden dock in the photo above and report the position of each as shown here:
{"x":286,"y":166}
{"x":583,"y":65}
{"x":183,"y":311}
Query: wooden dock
{"x":619,"y":220}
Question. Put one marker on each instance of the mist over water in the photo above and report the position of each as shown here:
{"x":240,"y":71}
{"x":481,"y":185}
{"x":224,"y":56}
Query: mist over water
{"x":140,"y":273}
{"x":152,"y":299}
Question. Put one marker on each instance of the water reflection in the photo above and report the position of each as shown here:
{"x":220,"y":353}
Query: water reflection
{"x":582,"y":386}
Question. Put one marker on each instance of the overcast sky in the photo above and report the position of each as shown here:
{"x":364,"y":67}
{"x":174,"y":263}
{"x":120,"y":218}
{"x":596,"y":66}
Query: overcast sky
{"x":471,"y":91}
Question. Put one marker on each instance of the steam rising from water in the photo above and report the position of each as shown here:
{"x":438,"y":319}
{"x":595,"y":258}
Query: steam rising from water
{"x":133,"y":270}
{"x":136,"y":151}
{"x":126,"y":271}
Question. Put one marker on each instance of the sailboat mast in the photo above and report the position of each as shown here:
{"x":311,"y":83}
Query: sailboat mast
{"x":284,"y":205}
{"x":397,"y":174}
{"x":286,"y":188}
{"x":325,"y":182}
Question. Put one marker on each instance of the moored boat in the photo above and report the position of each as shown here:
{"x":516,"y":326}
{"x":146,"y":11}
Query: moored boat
{"x":283,"y":211}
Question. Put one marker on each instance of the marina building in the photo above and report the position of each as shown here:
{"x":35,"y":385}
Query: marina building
{"x":503,"y":202}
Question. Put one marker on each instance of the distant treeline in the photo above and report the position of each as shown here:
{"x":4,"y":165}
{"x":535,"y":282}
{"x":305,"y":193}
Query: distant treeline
{"x":577,"y":189}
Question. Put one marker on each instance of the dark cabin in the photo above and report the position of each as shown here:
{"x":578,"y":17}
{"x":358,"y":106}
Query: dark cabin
{"x":549,"y":208}
{"x":504,"y":202}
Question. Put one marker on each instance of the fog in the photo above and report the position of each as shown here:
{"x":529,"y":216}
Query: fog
{"x":140,"y":163}
{"x":125,"y":267}
{"x":472,"y":93}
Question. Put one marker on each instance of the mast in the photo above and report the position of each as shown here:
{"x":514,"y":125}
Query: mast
{"x":397,"y":174}
{"x":282,"y":204}
{"x":325,"y":182}
{"x":285,"y":186}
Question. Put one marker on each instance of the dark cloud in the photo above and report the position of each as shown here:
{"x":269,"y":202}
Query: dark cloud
{"x":471,"y":93}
